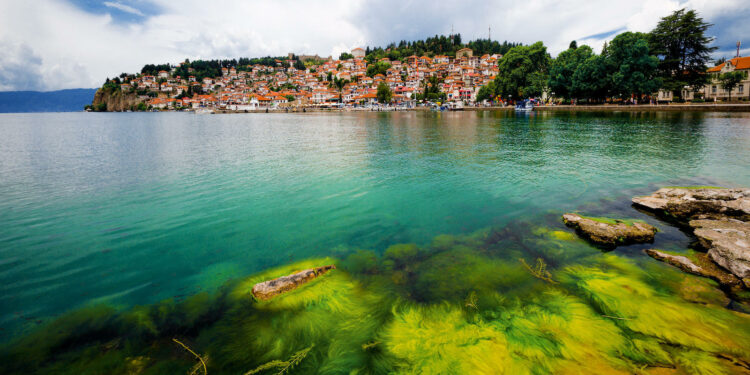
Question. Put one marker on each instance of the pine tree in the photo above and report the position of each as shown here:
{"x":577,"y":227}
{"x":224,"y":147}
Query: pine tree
{"x":680,"y":43}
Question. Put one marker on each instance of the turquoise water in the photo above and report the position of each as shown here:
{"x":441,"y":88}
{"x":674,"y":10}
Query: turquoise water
{"x":130,"y":209}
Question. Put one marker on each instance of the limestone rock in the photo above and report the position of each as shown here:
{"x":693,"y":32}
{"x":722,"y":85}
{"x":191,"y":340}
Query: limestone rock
{"x":610,"y":234}
{"x":699,"y":264}
{"x":271,"y":288}
{"x":728,"y":243}
{"x":694,"y":203}
{"x":682,"y":262}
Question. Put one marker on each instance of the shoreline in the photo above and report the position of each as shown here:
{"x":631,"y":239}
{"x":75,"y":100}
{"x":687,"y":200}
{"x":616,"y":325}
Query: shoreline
{"x":556,"y":108}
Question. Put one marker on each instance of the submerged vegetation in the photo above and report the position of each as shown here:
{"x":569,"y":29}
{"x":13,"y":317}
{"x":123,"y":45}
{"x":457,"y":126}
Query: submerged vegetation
{"x":461,"y":304}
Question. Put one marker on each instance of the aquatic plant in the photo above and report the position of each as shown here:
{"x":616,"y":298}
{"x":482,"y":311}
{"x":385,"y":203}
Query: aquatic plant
{"x":616,"y":287}
{"x":539,"y":270}
{"x":283,"y":366}
{"x":202,"y":362}
{"x":462,"y":304}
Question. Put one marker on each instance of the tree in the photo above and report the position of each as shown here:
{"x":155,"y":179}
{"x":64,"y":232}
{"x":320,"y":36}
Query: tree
{"x":523,"y":71}
{"x":379,"y":67}
{"x":633,"y":68}
{"x":573,"y":45}
{"x":385,"y":95}
{"x":564,"y":66}
{"x":680,"y":43}
{"x":345,"y":56}
{"x":730,"y":80}
{"x":299,"y":65}
{"x":591,"y":80}
{"x":486,"y":92}
{"x":339,"y":84}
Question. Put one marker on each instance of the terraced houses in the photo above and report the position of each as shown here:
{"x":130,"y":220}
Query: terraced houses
{"x":258,"y":87}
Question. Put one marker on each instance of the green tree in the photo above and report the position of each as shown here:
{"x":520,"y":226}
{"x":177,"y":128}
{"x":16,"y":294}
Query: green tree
{"x":730,"y":80}
{"x":345,"y":56}
{"x":591,"y":80}
{"x":633,"y":68}
{"x":680,"y":43}
{"x":299,"y":65}
{"x":487,"y":92}
{"x":290,"y":98}
{"x":379,"y":67}
{"x":562,"y":69}
{"x":339,"y":85}
{"x":523,"y":71}
{"x":385,"y":95}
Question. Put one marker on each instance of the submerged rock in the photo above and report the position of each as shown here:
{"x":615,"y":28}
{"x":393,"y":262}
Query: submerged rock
{"x":609,"y":232}
{"x":696,"y":264}
{"x":685,"y":203}
{"x":271,"y":288}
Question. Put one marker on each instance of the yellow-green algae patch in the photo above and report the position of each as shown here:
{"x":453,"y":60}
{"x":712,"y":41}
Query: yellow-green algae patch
{"x":460,"y":305}
{"x":610,"y":221}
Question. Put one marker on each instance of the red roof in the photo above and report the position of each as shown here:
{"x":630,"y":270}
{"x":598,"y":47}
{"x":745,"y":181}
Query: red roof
{"x":737,"y":62}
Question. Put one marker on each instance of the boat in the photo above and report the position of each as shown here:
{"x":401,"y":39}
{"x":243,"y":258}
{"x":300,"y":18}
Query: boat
{"x":203,"y":111}
{"x":525,"y":106}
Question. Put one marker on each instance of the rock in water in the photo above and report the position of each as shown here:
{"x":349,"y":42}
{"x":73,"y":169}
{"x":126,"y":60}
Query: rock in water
{"x":698,"y":203}
{"x":271,"y":288}
{"x":720,"y":218}
{"x":699,"y":265}
{"x":728,"y":243}
{"x":610,"y":233}
{"x":682,"y":262}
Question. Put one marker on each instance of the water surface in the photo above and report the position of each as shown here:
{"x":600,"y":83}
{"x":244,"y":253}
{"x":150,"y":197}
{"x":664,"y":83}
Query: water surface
{"x":133,"y":208}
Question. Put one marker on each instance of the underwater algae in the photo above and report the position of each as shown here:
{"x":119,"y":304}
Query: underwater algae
{"x":458,"y":305}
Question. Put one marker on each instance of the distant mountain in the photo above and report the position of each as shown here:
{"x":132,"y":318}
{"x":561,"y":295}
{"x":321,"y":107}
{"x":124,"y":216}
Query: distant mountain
{"x":49,"y":101}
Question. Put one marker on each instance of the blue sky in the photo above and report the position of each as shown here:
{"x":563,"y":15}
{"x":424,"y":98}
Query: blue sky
{"x":55,"y":44}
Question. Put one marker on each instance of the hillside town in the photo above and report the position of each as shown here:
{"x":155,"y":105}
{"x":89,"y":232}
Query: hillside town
{"x":442,"y":72}
{"x":331,"y":84}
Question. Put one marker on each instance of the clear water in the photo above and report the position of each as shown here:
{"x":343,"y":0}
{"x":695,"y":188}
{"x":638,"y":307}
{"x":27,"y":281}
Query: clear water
{"x":130,"y":209}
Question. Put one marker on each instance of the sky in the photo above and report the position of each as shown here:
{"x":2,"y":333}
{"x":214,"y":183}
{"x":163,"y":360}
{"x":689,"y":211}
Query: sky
{"x":59,"y":44}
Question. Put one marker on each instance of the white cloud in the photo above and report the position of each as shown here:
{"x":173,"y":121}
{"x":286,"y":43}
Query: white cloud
{"x":73,"y":48}
{"x":124,"y":8}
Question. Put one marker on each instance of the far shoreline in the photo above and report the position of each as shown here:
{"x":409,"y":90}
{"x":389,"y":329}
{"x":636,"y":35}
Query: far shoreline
{"x":554,"y":108}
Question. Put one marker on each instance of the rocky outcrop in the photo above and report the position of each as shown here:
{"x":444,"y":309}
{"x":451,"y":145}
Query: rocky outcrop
{"x":610,"y":233}
{"x":114,"y":100}
{"x":698,"y":203}
{"x":271,"y":288}
{"x":698,"y":264}
{"x":720,"y":219}
{"x":728,"y":243}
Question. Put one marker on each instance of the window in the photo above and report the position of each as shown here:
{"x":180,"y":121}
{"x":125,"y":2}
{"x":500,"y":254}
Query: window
{"x":713,"y":89}
{"x":741,"y":89}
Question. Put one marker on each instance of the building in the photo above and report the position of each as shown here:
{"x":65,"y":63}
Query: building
{"x":358,"y":53}
{"x":714,"y":90}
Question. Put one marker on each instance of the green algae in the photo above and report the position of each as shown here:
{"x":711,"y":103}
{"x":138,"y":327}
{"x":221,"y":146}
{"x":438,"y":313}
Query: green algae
{"x":460,"y":304}
{"x":610,"y":221}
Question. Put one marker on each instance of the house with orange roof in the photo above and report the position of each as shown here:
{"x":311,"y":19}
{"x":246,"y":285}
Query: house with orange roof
{"x":358,"y":53}
{"x":714,"y":90}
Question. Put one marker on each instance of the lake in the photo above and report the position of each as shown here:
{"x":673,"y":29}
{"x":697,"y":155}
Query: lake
{"x":130,"y":209}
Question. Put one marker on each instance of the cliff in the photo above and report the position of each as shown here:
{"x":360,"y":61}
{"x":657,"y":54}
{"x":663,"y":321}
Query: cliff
{"x":114,"y":100}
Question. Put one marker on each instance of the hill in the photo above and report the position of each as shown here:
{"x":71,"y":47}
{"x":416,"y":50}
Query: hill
{"x":49,"y":101}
